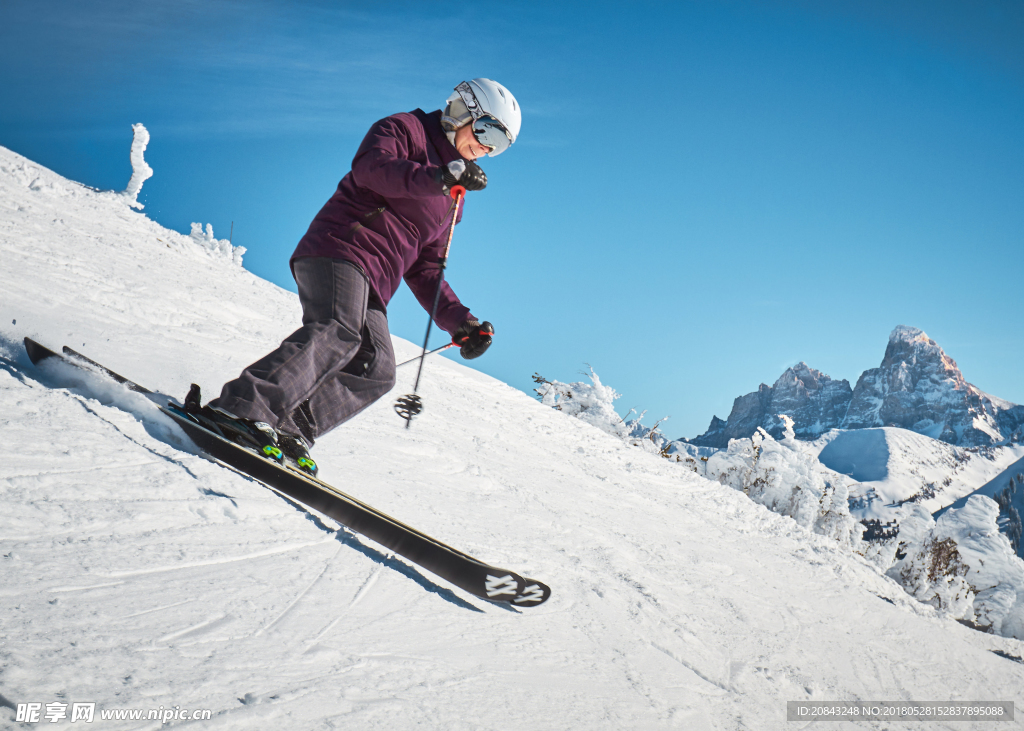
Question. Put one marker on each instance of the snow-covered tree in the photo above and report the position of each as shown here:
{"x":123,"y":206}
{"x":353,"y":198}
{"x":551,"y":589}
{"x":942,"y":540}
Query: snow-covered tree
{"x":963,"y":565}
{"x":787,"y":481}
{"x":219,"y":247}
{"x":930,"y":567}
{"x":592,"y":403}
{"x":141,"y":171}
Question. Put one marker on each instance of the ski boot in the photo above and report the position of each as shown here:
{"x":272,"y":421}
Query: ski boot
{"x":295,"y":448}
{"x":257,"y":435}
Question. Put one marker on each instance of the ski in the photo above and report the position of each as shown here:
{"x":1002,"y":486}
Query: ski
{"x":460,"y":569}
{"x":131,"y":385}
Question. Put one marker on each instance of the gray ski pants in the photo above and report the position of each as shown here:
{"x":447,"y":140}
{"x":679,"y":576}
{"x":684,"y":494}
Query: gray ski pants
{"x":339,"y":362}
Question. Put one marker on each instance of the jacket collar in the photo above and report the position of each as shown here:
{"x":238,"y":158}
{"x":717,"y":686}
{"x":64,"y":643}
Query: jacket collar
{"x":435,"y":133}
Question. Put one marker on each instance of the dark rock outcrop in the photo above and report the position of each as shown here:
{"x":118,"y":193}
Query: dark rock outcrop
{"x":815,"y":402}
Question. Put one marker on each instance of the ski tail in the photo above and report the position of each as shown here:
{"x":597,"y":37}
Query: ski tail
{"x":38,"y":353}
{"x":132,"y":385}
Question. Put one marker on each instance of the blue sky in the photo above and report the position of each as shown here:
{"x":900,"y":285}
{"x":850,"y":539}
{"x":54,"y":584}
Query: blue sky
{"x":702,"y":194}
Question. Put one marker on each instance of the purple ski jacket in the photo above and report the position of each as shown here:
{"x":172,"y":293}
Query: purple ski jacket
{"x":389,"y":215}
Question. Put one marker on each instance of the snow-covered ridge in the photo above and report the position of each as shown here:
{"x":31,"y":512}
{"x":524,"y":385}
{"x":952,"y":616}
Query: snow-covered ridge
{"x":136,"y":574}
{"x":893,"y":466}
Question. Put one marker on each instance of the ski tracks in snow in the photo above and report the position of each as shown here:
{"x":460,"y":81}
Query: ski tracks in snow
{"x":300,"y":595}
{"x":363,"y":590}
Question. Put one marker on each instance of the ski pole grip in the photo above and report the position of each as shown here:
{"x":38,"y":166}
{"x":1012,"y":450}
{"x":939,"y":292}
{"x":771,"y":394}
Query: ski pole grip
{"x":457,"y":192}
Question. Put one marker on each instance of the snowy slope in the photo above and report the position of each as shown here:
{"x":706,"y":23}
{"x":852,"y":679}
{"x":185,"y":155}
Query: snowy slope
{"x":892,"y":466}
{"x":996,"y":484}
{"x":137,"y":575}
{"x":1009,"y":482}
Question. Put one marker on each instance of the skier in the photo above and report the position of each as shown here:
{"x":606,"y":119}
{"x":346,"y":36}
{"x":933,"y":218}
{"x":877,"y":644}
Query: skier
{"x":388,"y":220}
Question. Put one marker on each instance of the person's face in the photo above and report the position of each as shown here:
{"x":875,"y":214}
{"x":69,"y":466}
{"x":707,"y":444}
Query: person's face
{"x":467,"y":145}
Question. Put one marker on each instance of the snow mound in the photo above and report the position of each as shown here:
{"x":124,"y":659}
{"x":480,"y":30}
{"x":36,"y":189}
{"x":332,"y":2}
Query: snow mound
{"x":994,"y":570}
{"x":893,"y":467}
{"x":862,"y":454}
{"x":1007,"y":489}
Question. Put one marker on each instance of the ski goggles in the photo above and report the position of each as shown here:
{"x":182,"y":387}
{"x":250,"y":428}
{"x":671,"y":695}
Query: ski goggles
{"x":491,"y":133}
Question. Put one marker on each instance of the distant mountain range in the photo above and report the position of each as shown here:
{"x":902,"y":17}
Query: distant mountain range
{"x":916,"y":387}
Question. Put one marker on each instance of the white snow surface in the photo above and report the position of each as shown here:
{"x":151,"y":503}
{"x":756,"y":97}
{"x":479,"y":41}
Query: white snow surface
{"x":890,"y":466}
{"x":996,"y":484}
{"x":136,"y":574}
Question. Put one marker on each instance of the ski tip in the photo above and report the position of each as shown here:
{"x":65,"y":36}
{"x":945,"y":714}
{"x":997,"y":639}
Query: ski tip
{"x":511,"y":588}
{"x":534,"y":593}
{"x":503,"y":586}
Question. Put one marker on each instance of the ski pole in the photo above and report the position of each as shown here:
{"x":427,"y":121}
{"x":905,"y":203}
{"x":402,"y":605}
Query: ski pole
{"x":411,"y":404}
{"x":435,"y":350}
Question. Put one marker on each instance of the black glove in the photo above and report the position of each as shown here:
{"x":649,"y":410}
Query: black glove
{"x":461,"y":172}
{"x":474,"y":337}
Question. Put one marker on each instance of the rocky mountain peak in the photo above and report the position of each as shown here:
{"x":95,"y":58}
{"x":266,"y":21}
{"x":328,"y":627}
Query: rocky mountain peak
{"x":916,"y":387}
{"x":919,"y":387}
{"x":801,"y":378}
{"x":913,"y":346}
{"x":813,"y":400}
{"x":906,"y":333}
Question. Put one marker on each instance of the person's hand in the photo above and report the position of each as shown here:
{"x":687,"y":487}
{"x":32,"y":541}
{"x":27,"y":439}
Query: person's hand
{"x":461,"y":172}
{"x":473,"y":337}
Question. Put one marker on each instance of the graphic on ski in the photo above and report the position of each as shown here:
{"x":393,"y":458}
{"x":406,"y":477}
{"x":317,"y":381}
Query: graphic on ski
{"x":458,"y":568}
{"x":533,"y":593}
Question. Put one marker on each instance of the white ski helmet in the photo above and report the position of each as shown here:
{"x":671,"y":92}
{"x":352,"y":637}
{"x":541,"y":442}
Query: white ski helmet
{"x":491,"y":108}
